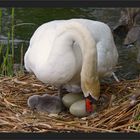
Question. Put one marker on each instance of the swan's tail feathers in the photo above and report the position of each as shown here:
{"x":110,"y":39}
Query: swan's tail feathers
{"x":115,"y":77}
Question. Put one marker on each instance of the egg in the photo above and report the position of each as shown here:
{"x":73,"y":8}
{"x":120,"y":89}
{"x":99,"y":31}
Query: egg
{"x":70,"y":98}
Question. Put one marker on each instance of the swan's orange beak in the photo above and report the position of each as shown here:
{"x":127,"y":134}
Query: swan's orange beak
{"x":89,"y":107}
{"x":89,"y":104}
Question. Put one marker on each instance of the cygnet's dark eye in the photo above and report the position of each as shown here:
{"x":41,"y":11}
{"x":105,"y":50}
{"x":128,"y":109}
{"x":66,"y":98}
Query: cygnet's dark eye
{"x":34,"y":109}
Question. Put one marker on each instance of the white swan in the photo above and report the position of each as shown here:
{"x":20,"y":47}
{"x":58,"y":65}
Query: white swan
{"x":75,"y":52}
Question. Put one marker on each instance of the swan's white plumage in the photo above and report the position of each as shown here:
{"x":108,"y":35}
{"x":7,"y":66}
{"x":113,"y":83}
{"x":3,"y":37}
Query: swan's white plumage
{"x":55,"y":54}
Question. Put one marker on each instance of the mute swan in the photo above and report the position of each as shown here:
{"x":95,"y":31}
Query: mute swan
{"x":73,"y":53}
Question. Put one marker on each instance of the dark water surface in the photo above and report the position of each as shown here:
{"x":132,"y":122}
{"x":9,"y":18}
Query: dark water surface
{"x":28,"y":19}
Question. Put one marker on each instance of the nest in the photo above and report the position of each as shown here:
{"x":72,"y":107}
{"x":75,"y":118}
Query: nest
{"x":121,"y":115}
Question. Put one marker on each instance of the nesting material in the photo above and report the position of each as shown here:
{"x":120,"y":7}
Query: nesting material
{"x":122,"y":114}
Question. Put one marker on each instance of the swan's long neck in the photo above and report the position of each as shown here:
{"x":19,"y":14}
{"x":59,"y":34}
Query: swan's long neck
{"x":89,"y":73}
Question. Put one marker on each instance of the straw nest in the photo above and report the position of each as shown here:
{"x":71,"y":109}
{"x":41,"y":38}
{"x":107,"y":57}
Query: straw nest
{"x":122,"y":114}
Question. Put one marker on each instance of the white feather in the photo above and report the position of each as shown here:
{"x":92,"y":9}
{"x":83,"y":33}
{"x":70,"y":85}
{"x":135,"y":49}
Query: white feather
{"x":55,"y":54}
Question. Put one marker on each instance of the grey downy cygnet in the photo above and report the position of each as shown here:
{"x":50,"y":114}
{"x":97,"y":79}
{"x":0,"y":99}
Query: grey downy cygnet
{"x":45,"y":103}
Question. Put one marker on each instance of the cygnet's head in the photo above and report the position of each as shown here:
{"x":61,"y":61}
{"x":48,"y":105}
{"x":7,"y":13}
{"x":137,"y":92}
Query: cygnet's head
{"x":33,"y":101}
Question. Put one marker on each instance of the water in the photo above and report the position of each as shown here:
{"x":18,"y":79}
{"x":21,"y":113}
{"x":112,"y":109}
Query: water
{"x":28,"y":19}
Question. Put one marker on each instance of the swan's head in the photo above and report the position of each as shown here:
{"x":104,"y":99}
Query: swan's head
{"x":92,"y":93}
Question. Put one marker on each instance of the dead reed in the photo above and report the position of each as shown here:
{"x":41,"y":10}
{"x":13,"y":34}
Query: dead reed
{"x":122,"y":114}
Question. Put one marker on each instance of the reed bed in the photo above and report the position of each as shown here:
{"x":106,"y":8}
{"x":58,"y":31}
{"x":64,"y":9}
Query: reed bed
{"x":121,"y":115}
{"x":7,"y":51}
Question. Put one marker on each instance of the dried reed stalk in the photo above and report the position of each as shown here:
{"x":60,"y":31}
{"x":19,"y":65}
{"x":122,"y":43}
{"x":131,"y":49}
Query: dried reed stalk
{"x":16,"y":116}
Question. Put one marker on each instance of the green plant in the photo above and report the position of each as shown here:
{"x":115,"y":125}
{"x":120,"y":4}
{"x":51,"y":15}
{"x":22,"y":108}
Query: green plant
{"x":0,"y":20}
{"x":21,"y":58}
{"x":12,"y":31}
{"x":7,"y":51}
{"x":1,"y":56}
{"x":7,"y":64}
